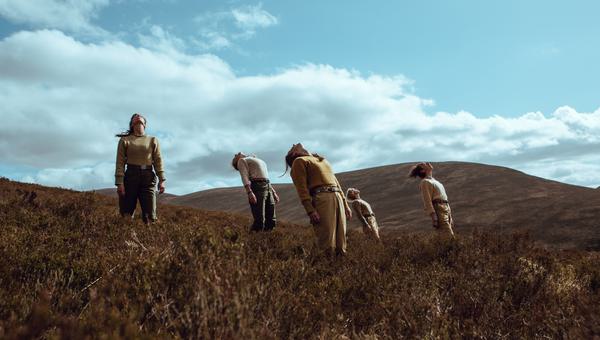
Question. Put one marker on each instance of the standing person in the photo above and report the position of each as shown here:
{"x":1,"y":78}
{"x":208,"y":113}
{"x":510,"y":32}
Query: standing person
{"x":137,"y":154}
{"x":435,"y":199}
{"x":364,"y":213}
{"x":322,"y":198}
{"x":261,"y":195}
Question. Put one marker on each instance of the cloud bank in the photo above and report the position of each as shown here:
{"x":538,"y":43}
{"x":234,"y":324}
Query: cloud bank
{"x":69,"y":15}
{"x":60,"y":114}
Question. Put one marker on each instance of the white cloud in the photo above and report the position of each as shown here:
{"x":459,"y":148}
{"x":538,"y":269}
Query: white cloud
{"x":161,"y":40}
{"x":83,"y":178}
{"x":60,"y":112}
{"x":222,"y":29}
{"x":69,"y":15}
{"x":252,"y":17}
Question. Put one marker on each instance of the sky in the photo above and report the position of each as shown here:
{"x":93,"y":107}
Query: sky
{"x":510,"y":83}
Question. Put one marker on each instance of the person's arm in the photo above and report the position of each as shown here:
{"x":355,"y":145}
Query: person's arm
{"x":120,"y":163}
{"x":299,"y":177}
{"x":426,"y":193}
{"x":157,"y":162}
{"x":275,"y":196}
{"x":346,"y":206}
{"x":361,"y":217}
{"x":245,"y":175}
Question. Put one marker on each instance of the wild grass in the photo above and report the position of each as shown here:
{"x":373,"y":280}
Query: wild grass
{"x":71,"y":268}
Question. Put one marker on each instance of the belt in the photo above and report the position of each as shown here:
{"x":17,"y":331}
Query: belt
{"x":439,"y":201}
{"x":259,"y":180}
{"x":324,"y":188}
{"x":139,"y":167}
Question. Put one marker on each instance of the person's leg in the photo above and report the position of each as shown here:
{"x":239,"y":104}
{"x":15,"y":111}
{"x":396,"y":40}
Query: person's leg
{"x":374,"y":227}
{"x":325,"y":205}
{"x":270,"y":216}
{"x":340,"y":224}
{"x":444,"y":220}
{"x":147,"y":195}
{"x":128,"y":202}
{"x":258,"y":209}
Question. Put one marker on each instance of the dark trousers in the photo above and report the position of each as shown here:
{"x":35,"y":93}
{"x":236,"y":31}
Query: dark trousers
{"x":264,"y":209}
{"x":140,"y":185}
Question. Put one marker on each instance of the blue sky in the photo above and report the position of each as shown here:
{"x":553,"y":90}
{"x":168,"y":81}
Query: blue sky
{"x":511,"y":83}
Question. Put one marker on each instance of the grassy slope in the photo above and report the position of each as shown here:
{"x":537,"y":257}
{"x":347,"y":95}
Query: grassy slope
{"x":69,"y":267}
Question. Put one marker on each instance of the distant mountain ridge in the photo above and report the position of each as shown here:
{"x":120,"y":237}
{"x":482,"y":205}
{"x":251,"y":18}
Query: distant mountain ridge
{"x":482,"y":196}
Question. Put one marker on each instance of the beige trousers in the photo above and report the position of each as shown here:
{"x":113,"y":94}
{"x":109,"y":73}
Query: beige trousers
{"x":372,"y":230}
{"x":331,"y":230}
{"x":444,"y":215}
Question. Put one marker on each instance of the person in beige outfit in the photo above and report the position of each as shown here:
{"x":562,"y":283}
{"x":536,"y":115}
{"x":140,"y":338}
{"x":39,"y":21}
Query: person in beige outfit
{"x":435,"y":200}
{"x":321,"y":195}
{"x":364,"y":213}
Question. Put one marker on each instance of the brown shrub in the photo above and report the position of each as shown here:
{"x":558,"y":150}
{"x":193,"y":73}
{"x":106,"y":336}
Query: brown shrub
{"x":71,"y":268}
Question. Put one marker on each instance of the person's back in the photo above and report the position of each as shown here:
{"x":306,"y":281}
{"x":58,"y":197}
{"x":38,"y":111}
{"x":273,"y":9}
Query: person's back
{"x":318,"y":171}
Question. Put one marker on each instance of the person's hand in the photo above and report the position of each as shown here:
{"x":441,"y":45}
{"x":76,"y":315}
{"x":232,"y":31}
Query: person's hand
{"x":314,"y":217}
{"x":276,"y":197}
{"x":121,"y":190}
{"x":348,"y":214}
{"x":161,"y":187}
{"x":252,"y":198}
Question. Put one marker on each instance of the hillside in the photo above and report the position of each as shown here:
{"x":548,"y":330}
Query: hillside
{"x":71,"y":268}
{"x":482,"y":196}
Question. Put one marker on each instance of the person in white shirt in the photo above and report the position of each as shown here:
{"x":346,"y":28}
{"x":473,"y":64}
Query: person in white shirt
{"x":261,"y":195}
{"x":435,"y":200}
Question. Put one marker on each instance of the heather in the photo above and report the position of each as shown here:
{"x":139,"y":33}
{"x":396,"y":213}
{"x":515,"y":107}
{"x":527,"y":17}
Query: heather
{"x":70,"y":267}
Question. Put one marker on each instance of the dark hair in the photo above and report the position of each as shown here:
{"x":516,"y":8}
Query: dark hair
{"x":130,"y":130}
{"x":417,"y":171}
{"x":290,"y":158}
{"x":235,"y":161}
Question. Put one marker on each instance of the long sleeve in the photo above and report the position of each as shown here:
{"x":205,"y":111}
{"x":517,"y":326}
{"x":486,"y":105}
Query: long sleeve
{"x":427,"y":192}
{"x":120,"y":163}
{"x":244,"y":172}
{"x":299,"y":177}
{"x":157,"y":161}
{"x":358,"y":209}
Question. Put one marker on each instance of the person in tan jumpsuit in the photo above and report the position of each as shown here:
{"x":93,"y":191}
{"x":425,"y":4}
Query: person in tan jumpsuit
{"x":364,"y":213}
{"x":435,"y":200}
{"x":321,"y":195}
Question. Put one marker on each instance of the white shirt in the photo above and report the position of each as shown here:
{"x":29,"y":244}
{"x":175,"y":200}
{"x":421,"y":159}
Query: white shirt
{"x":251,"y":167}
{"x":431,"y":189}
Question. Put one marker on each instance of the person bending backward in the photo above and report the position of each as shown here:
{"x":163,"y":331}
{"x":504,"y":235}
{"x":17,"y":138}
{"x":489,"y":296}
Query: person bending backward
{"x":322,"y":198}
{"x":137,"y":155}
{"x":261,"y":195}
{"x":364,"y":213}
{"x":434,"y":195}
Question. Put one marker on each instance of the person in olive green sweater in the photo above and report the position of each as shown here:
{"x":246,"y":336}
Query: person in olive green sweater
{"x":137,"y":155}
{"x":321,"y":195}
